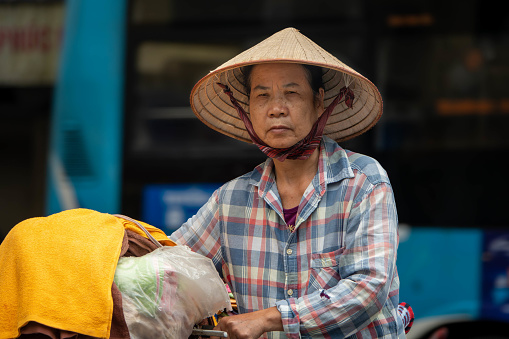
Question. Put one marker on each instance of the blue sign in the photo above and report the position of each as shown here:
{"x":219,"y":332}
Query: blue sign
{"x":495,"y":290}
{"x":440,"y":270}
{"x":168,"y":206}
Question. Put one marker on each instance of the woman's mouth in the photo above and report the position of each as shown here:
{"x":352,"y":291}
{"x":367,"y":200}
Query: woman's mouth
{"x":279,"y":128}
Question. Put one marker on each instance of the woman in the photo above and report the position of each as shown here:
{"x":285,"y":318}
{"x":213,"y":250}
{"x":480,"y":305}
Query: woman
{"x":307,"y":241}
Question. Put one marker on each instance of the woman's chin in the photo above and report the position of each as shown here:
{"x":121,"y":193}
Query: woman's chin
{"x":281,"y":144}
{"x":280,"y":141}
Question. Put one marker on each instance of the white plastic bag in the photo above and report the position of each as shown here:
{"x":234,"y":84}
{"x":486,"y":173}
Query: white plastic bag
{"x":167,"y":291}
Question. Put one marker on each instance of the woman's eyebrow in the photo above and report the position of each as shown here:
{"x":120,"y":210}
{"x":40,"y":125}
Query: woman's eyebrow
{"x":261,"y":88}
{"x":291,"y":84}
{"x":265,"y":88}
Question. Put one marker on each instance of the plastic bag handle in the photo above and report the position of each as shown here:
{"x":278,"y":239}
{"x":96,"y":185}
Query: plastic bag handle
{"x":157,"y":243}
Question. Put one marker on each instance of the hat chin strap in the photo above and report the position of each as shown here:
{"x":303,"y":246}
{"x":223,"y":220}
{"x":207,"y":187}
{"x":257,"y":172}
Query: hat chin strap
{"x":303,"y":149}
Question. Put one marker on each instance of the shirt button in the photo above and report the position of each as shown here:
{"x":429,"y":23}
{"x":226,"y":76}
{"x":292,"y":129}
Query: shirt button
{"x":290,"y":291}
{"x":289,"y":251}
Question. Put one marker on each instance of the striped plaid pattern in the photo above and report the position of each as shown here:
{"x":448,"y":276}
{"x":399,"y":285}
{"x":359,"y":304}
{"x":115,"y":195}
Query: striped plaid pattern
{"x":335,"y":276}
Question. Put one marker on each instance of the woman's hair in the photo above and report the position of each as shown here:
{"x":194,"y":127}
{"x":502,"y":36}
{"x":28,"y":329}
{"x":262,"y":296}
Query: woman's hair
{"x":313,"y":74}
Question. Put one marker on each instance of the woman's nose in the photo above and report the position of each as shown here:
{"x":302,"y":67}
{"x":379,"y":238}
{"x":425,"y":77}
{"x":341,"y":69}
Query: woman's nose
{"x":278,"y":107}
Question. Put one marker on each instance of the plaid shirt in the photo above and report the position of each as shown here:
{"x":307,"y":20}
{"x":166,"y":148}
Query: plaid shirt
{"x":333,"y":277}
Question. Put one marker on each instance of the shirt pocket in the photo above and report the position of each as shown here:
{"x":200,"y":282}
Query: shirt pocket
{"x":324,"y":270}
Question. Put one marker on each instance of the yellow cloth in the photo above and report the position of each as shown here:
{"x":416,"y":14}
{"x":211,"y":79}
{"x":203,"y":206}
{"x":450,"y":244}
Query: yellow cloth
{"x":58,"y":271}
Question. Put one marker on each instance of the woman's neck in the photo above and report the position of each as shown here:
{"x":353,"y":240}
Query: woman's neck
{"x":293,"y":177}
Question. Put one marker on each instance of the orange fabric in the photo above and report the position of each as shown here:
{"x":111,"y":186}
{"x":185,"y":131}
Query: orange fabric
{"x":154,"y":231}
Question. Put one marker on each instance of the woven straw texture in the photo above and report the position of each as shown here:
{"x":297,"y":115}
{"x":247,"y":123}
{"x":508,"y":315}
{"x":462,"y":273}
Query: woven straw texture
{"x":214,"y":108}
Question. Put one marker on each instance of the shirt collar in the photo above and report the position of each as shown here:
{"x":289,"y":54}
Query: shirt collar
{"x":333,"y":166}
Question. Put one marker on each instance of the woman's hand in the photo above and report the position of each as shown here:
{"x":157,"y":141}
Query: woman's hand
{"x":251,"y":325}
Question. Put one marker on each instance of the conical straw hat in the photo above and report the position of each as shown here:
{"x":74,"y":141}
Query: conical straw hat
{"x":215,"y":109}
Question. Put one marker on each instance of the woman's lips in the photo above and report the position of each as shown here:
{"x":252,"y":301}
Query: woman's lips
{"x":279,"y":129}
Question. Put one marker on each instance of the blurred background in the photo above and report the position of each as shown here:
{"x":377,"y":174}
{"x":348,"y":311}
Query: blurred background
{"x":94,"y":113}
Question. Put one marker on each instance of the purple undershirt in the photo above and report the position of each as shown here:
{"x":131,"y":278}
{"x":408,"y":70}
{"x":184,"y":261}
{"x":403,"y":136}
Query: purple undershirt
{"x":290,"y":215}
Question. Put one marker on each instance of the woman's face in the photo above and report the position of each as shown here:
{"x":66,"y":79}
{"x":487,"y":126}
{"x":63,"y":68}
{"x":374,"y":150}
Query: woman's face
{"x":282,"y":104}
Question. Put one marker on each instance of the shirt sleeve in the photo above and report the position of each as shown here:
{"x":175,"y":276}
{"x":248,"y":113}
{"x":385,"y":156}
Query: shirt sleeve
{"x":200,"y":232}
{"x":367,"y":267}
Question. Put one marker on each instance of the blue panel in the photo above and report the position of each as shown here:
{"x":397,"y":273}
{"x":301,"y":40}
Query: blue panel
{"x":440,"y":271}
{"x":169,"y":206}
{"x":87,"y":113}
{"x":495,"y":296}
